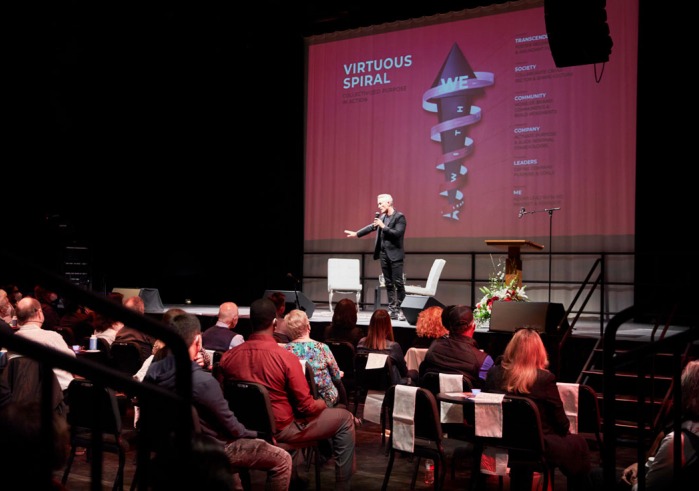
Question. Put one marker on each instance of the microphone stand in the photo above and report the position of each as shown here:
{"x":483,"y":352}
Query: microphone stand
{"x":296,"y":294}
{"x":550,"y":212}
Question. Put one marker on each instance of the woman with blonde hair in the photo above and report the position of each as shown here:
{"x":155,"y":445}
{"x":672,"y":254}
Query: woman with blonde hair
{"x":523,"y":370}
{"x":317,"y":355}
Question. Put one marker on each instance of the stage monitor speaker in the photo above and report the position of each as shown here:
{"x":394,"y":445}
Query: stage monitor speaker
{"x":412,"y":305}
{"x":150,"y":296}
{"x":577,"y":31}
{"x":305,"y":303}
{"x":542,"y":316}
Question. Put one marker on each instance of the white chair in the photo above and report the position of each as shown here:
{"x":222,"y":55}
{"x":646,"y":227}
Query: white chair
{"x":343,"y":277}
{"x":430,"y":289}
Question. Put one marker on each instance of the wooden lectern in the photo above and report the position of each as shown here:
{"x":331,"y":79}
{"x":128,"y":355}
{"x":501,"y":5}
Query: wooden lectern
{"x":513,"y":266}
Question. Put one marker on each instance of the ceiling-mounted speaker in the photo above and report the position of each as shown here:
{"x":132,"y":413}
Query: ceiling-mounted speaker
{"x":577,"y":31}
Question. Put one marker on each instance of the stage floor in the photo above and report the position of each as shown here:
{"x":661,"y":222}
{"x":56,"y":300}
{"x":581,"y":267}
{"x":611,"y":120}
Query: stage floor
{"x":584,"y":328}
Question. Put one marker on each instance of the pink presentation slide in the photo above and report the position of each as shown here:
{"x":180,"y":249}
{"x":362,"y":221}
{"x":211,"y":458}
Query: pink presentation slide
{"x":468,"y":123}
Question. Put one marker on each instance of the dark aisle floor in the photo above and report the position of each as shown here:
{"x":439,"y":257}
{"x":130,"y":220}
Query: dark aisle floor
{"x":371,"y":465}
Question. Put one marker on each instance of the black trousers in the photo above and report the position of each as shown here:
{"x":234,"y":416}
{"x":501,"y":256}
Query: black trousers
{"x":393,"y":277}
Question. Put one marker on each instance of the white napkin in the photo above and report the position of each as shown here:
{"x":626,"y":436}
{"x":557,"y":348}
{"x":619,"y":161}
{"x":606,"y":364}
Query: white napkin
{"x":569,"y":396}
{"x":488,"y":419}
{"x":376,"y":360}
{"x":488,"y":414}
{"x":404,"y":418}
{"x":372,"y":406}
{"x":374,"y":398}
{"x":494,"y":461}
{"x":448,"y":412}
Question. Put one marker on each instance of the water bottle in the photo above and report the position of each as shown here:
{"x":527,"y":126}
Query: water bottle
{"x":429,"y":471}
{"x":93,"y":342}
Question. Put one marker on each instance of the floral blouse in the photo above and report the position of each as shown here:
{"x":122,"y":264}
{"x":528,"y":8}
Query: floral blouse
{"x":325,"y":369}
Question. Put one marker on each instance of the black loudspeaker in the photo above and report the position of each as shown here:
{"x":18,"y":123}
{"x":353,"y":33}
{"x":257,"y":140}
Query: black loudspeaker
{"x":542,"y":316}
{"x":412,"y":305}
{"x":577,"y":31}
{"x":305,"y":303}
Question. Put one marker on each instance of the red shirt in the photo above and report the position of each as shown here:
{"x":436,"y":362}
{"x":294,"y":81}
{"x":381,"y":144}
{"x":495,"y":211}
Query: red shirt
{"x":260,"y":359}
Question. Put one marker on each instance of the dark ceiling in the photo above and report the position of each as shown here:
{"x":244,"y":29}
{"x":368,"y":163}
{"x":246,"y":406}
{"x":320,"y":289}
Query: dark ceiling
{"x":329,"y":16}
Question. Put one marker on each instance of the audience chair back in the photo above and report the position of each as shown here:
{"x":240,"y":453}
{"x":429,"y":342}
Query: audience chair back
{"x":459,"y":431}
{"x":310,"y":378}
{"x":378,"y":379}
{"x":251,"y":405}
{"x":344,"y":351}
{"x":589,"y":417}
{"x":428,"y":436}
{"x":95,"y":424}
{"x":160,"y":451}
{"x":125,"y":357}
{"x":25,"y":377}
{"x":430,"y":381}
{"x":522,"y":438}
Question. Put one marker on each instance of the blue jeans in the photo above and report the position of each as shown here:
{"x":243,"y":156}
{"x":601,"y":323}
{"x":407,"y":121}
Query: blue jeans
{"x":336,"y":424}
{"x":253,"y":453}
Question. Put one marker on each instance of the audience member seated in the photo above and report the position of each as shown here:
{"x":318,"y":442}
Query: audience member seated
{"x":7,"y":311}
{"x":298,"y":416}
{"x":458,"y":352}
{"x":14,"y":294}
{"x":220,"y":336}
{"x":317,"y":355}
{"x":77,"y":320}
{"x":7,"y":330}
{"x":160,"y":351}
{"x":242,"y":446}
{"x":379,"y":339}
{"x":107,"y":328}
{"x":281,"y":333}
{"x":50,"y":305}
{"x":344,"y":323}
{"x":20,"y":464}
{"x":429,"y":327}
{"x":130,"y":335}
{"x":30,"y":318}
{"x":523,"y":370}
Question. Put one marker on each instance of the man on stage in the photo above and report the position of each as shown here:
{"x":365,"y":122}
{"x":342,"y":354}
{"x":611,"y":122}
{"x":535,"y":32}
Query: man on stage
{"x":390,"y":227}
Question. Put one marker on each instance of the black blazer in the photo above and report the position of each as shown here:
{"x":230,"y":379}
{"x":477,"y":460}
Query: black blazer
{"x":390,"y":238}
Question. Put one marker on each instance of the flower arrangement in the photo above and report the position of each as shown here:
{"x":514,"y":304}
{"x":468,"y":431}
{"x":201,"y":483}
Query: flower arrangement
{"x":498,"y":290}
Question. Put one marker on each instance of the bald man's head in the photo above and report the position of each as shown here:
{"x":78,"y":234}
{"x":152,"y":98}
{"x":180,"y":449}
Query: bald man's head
{"x":228,"y":313}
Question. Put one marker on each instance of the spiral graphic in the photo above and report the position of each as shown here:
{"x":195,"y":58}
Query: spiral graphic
{"x":451,"y":96}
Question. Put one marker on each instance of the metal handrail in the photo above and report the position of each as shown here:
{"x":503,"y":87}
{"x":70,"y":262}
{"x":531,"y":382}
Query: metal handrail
{"x":16,"y":267}
{"x":676,"y":344}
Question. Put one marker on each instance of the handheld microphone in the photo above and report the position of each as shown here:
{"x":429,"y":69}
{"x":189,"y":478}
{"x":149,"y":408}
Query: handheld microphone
{"x":376,"y":215}
{"x":521,"y":212}
{"x":292,"y":277}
